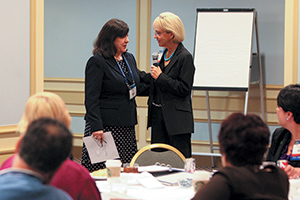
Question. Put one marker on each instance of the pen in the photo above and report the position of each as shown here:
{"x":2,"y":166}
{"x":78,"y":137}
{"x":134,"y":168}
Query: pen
{"x":102,"y":140}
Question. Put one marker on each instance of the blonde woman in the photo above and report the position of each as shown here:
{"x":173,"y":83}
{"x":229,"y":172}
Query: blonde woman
{"x":50,"y":105}
{"x":45,"y":104}
{"x":169,"y":105}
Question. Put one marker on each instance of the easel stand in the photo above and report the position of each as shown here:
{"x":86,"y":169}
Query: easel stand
{"x":260,"y":82}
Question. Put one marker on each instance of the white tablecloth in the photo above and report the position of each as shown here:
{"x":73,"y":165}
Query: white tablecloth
{"x":129,"y":188}
{"x":294,"y":193}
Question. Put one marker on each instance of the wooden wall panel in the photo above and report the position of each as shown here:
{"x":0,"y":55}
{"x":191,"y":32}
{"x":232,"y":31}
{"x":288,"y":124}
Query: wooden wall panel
{"x":222,"y":103}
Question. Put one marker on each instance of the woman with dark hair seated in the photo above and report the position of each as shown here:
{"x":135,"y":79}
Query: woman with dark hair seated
{"x":286,"y":138}
{"x":243,"y":141}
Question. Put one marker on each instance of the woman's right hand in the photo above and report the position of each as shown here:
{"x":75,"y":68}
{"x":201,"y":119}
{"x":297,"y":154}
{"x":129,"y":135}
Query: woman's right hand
{"x":155,"y":72}
{"x":292,"y":172}
{"x":98,"y":135}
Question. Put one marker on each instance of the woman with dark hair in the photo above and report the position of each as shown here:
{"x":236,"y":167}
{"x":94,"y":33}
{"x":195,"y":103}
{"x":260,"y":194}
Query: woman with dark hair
{"x":111,"y":80}
{"x":243,"y":141}
{"x":284,"y":139}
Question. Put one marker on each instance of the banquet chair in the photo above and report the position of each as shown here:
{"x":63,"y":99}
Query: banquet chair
{"x":171,"y":157}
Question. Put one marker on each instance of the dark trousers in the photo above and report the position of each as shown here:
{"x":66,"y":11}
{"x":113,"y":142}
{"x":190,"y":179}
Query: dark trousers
{"x":159,"y":134}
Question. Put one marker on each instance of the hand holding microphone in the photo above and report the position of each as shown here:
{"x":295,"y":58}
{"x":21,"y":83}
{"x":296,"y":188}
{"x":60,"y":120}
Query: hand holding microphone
{"x":155,"y":69}
{"x":155,"y":59}
{"x":155,"y":72}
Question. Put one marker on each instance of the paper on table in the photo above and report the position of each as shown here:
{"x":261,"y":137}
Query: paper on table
{"x":153,"y":168}
{"x":172,"y":179}
{"x":100,"y":152}
{"x":149,"y":181}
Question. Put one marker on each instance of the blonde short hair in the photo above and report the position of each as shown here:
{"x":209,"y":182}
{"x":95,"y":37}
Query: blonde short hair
{"x":44,"y":104}
{"x":170,"y":22}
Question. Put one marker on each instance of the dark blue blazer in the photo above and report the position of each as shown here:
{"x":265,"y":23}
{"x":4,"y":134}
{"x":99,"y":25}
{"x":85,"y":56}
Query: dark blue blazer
{"x":106,"y":94}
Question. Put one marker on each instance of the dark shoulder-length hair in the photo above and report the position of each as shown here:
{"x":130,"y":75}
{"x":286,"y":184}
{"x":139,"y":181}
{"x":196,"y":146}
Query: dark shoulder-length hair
{"x":289,"y":100}
{"x":244,"y":139}
{"x":104,"y":44}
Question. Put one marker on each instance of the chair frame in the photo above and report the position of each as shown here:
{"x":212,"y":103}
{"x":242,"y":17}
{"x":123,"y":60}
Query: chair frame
{"x":153,"y":146}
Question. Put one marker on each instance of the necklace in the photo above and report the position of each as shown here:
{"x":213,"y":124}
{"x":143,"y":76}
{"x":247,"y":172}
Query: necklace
{"x":165,"y":57}
{"x":119,"y":58}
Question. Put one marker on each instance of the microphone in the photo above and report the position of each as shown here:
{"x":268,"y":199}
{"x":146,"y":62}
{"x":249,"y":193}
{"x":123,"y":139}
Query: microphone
{"x":155,"y":58}
{"x":160,"y":53}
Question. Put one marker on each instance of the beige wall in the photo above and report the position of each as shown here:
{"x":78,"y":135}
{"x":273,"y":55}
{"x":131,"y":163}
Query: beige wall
{"x":8,"y":136}
{"x":222,"y":103}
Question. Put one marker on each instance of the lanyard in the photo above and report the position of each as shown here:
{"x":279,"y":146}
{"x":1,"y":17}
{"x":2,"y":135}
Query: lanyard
{"x":123,"y":72}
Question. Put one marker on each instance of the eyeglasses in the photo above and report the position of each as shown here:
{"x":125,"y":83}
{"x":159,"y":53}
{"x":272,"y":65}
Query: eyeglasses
{"x":158,"y":33}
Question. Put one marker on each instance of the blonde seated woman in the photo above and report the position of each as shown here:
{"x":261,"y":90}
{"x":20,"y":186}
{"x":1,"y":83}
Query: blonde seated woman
{"x":71,"y":176}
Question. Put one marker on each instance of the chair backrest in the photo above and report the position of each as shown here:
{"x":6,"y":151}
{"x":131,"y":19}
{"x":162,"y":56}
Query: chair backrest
{"x":171,"y":156}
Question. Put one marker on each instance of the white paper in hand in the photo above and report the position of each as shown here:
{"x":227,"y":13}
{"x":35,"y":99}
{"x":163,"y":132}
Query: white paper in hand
{"x":100,"y":152}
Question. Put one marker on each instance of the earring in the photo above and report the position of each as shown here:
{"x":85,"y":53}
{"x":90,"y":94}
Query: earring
{"x":287,"y":119}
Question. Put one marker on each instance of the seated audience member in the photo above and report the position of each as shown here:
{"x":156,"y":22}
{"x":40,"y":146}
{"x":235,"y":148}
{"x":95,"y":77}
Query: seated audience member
{"x":40,"y":152}
{"x":71,"y":176}
{"x":243,"y":141}
{"x":283,"y":138}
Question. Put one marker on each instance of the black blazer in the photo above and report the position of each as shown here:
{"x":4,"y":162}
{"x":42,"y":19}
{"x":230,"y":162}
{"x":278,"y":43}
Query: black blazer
{"x":280,"y":138}
{"x":174,"y":86}
{"x":242,"y":182}
{"x":106,"y":94}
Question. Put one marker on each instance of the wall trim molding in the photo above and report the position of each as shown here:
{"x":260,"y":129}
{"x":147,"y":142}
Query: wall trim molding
{"x":7,"y":151}
{"x":222,"y":103}
{"x":291,"y":42}
{"x":36,"y":46}
{"x":67,"y":80}
{"x":8,"y":131}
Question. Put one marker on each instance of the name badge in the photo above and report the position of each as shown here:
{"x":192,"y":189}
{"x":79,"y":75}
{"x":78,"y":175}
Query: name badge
{"x":296,"y":151}
{"x":132,"y":91}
